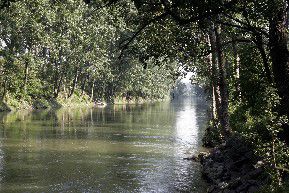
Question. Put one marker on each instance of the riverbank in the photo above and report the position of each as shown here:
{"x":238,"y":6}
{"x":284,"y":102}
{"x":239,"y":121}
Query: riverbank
{"x":75,"y":101}
{"x":234,"y":168}
{"x":122,"y":101}
{"x":12,"y":104}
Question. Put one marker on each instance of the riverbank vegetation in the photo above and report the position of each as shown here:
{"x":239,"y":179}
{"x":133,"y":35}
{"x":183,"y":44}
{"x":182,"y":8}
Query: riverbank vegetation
{"x":57,"y":50}
{"x":237,"y":49}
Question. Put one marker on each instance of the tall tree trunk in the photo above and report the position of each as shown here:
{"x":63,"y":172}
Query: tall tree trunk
{"x":212,"y":88}
{"x":59,"y":74}
{"x":214,"y":75}
{"x":224,"y":118}
{"x":92,"y":91}
{"x":278,"y":38}
{"x":26,"y":76}
{"x":4,"y":89}
{"x":56,"y":77}
{"x":59,"y":83}
{"x":236,"y":73}
{"x":86,"y":77}
{"x":260,"y":45}
{"x":74,"y":83}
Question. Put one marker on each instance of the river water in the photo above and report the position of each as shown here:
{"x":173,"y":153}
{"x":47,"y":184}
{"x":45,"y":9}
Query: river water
{"x":130,"y":148}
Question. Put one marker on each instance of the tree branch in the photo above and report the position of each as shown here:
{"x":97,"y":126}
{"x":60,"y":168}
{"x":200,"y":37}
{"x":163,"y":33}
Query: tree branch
{"x":131,"y":39}
{"x":237,"y":41}
{"x":207,"y":14}
{"x":247,"y":25}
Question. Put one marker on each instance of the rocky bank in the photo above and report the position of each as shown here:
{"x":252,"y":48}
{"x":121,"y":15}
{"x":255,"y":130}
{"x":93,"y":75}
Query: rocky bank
{"x":233,"y":168}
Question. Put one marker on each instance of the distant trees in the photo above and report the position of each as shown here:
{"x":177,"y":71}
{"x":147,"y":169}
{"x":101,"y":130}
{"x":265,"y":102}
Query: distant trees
{"x":52,"y":48}
{"x":180,"y":90}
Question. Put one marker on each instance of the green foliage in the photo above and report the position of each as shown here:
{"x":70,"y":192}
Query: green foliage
{"x":53,"y":48}
{"x":212,"y":137}
{"x":278,"y":189}
{"x":256,"y":117}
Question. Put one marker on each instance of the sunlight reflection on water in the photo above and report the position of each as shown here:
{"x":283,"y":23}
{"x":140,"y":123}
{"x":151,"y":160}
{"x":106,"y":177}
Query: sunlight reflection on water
{"x":186,"y":124}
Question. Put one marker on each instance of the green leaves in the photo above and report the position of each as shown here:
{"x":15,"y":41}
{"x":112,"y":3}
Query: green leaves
{"x":53,"y":47}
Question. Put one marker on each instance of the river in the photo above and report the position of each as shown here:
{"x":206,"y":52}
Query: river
{"x":121,"y":148}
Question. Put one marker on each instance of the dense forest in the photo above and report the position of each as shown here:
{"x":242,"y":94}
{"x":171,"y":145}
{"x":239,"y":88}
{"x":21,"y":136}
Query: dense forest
{"x":237,"y":50}
{"x":58,"y":49}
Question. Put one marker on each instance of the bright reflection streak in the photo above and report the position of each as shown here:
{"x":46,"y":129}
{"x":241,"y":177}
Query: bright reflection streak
{"x":186,"y":124}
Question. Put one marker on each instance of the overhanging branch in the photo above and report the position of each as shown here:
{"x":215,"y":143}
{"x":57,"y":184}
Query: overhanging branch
{"x":209,"y":13}
{"x":132,"y":38}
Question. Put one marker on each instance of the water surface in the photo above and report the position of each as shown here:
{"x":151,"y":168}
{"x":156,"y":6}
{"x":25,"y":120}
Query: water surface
{"x":130,"y":148}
